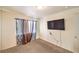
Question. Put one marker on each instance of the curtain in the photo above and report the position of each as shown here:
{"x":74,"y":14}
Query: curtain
{"x":19,"y":30}
{"x":25,"y":30}
{"x":32,"y":28}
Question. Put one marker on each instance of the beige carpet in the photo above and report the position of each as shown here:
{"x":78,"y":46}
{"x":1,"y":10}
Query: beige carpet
{"x":36,"y":46}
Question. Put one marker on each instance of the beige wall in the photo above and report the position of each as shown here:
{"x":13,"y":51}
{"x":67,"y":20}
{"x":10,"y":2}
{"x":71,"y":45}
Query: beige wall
{"x":67,"y":38}
{"x":9,"y":27}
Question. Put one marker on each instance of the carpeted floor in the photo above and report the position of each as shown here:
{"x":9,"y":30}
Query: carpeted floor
{"x":36,"y":46}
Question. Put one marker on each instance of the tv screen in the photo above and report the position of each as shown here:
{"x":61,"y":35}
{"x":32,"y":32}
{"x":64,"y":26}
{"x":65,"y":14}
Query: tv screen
{"x":56,"y":24}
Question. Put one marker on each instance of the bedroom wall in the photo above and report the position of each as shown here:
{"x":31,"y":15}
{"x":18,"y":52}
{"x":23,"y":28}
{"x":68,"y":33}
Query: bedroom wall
{"x":9,"y":27}
{"x":67,"y":38}
{"x":38,"y":28}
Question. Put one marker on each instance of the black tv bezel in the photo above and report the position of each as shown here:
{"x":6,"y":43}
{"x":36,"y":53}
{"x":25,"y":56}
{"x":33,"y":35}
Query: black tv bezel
{"x":56,"y":28}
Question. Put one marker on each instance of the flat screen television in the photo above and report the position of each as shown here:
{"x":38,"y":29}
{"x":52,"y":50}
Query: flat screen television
{"x":56,"y":24}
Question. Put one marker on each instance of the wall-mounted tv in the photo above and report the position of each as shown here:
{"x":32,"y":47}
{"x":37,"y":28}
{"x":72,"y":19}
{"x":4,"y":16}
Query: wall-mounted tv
{"x":56,"y":24}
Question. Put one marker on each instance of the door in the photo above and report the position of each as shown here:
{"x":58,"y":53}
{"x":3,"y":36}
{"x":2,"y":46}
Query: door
{"x":8,"y":30}
{"x":76,"y":34}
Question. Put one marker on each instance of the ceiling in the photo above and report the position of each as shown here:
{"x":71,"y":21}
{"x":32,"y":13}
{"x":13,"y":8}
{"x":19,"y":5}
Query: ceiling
{"x":33,"y":11}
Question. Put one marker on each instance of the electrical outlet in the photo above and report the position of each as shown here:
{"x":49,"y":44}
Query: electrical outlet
{"x":50,"y":33}
{"x":75,"y":37}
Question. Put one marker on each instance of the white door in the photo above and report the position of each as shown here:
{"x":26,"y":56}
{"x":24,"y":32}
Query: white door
{"x":76,"y":34}
{"x":8,"y":30}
